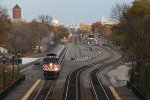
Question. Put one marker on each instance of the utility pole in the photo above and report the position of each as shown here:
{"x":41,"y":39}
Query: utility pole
{"x":4,"y":80}
{"x":18,"y":64}
{"x":13,"y":67}
{"x":146,"y":82}
{"x":132,"y":71}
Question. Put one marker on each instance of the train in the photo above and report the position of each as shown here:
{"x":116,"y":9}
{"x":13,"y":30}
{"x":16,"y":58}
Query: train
{"x":92,"y":40}
{"x":52,"y":63}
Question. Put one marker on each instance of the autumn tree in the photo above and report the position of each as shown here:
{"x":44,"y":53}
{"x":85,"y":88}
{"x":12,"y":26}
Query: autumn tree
{"x":133,"y":33}
{"x":85,"y":28}
{"x":27,"y":36}
{"x":4,"y":25}
{"x":60,"y":32}
{"x":96,"y":26}
{"x":100,"y":28}
{"x":133,"y":28}
{"x":22,"y":41}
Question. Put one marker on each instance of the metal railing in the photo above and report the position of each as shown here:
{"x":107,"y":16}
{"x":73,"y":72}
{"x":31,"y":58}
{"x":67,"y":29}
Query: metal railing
{"x":136,"y":91}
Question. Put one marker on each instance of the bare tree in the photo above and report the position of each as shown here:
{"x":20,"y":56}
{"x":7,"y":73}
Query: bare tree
{"x":23,"y":39}
{"x":118,"y":11}
{"x":45,"y":19}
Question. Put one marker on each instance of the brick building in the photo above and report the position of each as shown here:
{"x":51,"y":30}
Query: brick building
{"x":16,"y":13}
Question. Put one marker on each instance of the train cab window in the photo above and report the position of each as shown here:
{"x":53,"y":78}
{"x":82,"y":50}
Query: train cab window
{"x":52,"y":60}
{"x":91,"y":36}
{"x":51,"y":54}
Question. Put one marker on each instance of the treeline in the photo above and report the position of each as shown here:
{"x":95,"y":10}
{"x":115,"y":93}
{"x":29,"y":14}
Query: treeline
{"x":96,"y":28}
{"x":5,"y":23}
{"x":132,"y":34}
{"x":26,"y":36}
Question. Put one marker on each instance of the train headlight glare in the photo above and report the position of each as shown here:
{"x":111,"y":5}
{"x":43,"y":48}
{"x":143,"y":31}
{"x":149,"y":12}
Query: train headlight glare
{"x":56,"y":68}
{"x":50,"y":64}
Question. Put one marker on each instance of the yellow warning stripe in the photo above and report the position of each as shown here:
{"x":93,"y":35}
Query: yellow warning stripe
{"x":27,"y":95}
{"x":114,"y":93}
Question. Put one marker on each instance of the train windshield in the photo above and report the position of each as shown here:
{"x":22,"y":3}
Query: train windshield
{"x":91,"y":36}
{"x":50,"y":60}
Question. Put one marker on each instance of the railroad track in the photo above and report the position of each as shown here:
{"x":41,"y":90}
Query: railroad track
{"x":98,"y":89}
{"x":45,"y":91}
{"x":72,"y":88}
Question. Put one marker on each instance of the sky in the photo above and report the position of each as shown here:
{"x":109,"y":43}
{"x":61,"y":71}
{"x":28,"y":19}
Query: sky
{"x":65,"y":11}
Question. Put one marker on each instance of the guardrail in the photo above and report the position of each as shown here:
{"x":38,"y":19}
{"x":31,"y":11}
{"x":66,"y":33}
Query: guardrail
{"x":12,"y":86}
{"x":136,"y":91}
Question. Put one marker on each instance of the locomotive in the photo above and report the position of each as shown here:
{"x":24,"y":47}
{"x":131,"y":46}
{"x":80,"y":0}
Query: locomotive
{"x":52,"y":63}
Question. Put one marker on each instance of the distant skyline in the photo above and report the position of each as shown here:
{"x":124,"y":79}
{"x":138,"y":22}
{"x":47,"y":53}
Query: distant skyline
{"x":65,"y":11}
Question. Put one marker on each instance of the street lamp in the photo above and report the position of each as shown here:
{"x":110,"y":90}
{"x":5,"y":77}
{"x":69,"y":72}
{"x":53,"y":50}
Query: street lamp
{"x":132,"y":76}
{"x":4,"y":80}
{"x":18,"y":63}
{"x":13,"y":67}
{"x":146,"y":65}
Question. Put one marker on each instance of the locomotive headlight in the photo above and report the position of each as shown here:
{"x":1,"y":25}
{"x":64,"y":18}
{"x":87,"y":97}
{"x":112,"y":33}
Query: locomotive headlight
{"x":56,"y":69}
{"x":50,"y":64}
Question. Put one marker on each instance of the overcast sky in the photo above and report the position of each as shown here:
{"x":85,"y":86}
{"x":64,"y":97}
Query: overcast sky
{"x":66,"y":11}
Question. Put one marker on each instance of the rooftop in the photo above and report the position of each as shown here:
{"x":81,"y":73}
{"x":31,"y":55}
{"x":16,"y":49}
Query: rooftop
{"x":16,"y":7}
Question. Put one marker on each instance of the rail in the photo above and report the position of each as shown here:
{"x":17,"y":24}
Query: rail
{"x":44,"y":92}
{"x":73,"y":82}
{"x":99,"y":91}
